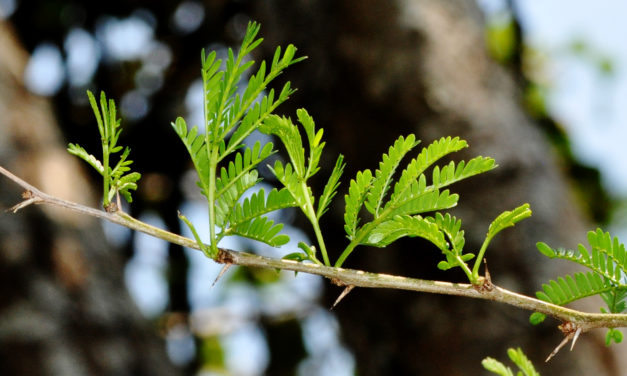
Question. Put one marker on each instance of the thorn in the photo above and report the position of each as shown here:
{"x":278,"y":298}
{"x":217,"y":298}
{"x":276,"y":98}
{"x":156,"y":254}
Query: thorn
{"x":222,"y":271}
{"x":558,"y":348}
{"x":575,"y":338}
{"x":487,"y":272}
{"x":25,"y":203}
{"x":345,"y":292}
{"x":572,"y":331}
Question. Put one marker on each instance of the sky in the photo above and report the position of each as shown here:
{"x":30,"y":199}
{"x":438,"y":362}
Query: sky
{"x":592,"y":106}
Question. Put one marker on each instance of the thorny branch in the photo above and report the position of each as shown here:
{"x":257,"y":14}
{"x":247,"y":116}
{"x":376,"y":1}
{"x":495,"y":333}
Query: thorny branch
{"x":574,"y":322}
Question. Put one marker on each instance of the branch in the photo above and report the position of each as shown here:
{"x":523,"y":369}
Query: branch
{"x":577,"y":321}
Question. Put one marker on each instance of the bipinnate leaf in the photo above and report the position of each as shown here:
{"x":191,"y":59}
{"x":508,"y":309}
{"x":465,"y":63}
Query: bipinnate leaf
{"x":293,"y":183}
{"x":117,"y":179}
{"x":385,"y":172}
{"x":427,"y":156}
{"x":428,"y":201}
{"x":606,"y":257}
{"x":405,"y":225}
{"x":452,"y":173}
{"x":330,"y":189}
{"x":80,"y":152}
{"x":242,"y":166}
{"x":567,"y":289}
{"x":355,"y":198}
{"x":314,"y":140}
{"x":508,"y":219}
{"x":262,"y":229}
{"x":257,"y":205}
{"x":197,"y":149}
{"x":288,"y":133}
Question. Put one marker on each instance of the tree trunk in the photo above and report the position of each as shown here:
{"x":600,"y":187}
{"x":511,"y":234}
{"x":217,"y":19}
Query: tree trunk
{"x":64,"y":309}
{"x":380,"y":69}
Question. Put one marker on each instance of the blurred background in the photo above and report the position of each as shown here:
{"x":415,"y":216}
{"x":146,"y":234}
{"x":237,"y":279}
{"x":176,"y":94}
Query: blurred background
{"x":537,"y":85}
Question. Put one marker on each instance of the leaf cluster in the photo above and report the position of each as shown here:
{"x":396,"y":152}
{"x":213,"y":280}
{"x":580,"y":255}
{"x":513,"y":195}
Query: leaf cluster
{"x":225,"y":172}
{"x":294,"y":175}
{"x":606,"y":260}
{"x":117,"y":179}
{"x":397,"y":205}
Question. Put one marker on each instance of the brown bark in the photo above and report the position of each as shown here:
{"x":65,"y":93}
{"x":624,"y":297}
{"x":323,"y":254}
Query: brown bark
{"x":64,"y":309}
{"x":380,"y":69}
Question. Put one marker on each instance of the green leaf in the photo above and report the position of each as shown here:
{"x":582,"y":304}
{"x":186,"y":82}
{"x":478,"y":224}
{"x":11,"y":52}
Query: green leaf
{"x":387,"y":167}
{"x":242,"y":167}
{"x":453,"y":173}
{"x":115,"y":180}
{"x":262,"y":229}
{"x":402,"y":226}
{"x":508,"y":219}
{"x":428,"y":155}
{"x":357,"y":191}
{"x":82,"y":153}
{"x":197,"y":149}
{"x":536,"y":318}
{"x":428,"y":201}
{"x":257,"y":205}
{"x":545,"y":249}
{"x":497,"y":367}
{"x":518,"y":357}
{"x":292,"y":182}
{"x":283,"y":128}
{"x":613,"y":335}
{"x":313,"y":138}
{"x":330,"y":189}
{"x":606,"y":256}
{"x":568,"y":289}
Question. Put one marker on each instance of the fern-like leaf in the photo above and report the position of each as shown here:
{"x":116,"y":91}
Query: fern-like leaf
{"x":428,"y":155}
{"x":330,"y":189}
{"x":451,"y":227}
{"x":405,"y":225}
{"x":289,"y":135}
{"x":229,"y":196}
{"x":385,"y":172}
{"x":508,"y":219}
{"x":118,"y":179}
{"x":606,"y":255}
{"x":428,"y":201}
{"x":80,"y":152}
{"x":261,"y":229}
{"x":257,"y":205}
{"x":197,"y":149}
{"x":357,"y":191}
{"x":453,"y":173}
{"x":290,"y":180}
{"x":242,"y":165}
{"x":568,"y":289}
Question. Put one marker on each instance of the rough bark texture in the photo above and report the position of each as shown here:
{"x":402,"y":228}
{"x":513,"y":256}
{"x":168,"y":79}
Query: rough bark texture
{"x":379,"y":69}
{"x":64,"y":309}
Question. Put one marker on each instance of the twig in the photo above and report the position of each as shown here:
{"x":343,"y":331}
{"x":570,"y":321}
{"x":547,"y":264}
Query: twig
{"x":348,"y":277}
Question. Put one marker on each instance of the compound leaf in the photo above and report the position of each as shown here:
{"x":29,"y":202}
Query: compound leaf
{"x":385,"y":172}
{"x":357,"y":192}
